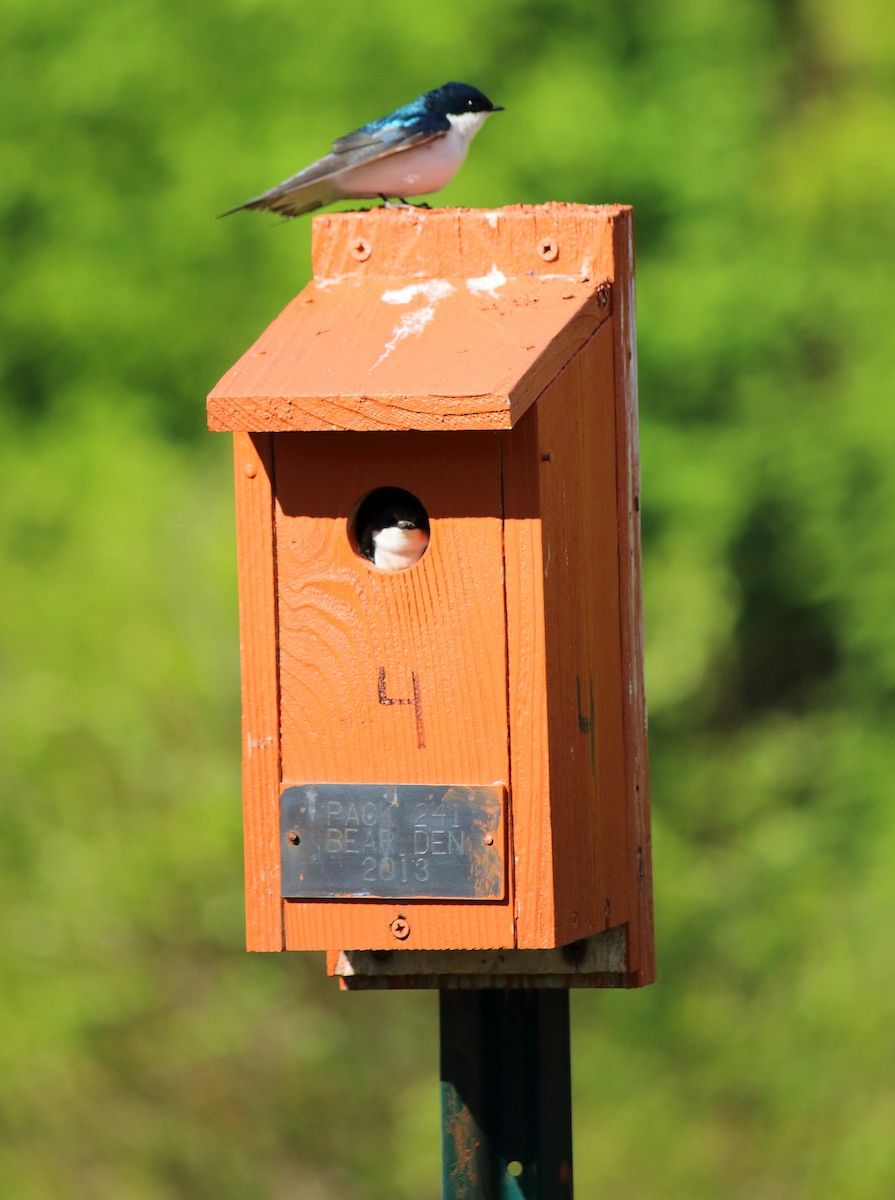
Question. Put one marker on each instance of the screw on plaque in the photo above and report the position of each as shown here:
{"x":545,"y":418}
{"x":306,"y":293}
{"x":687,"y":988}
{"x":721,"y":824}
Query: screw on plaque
{"x":400,"y":928}
{"x":293,"y":837}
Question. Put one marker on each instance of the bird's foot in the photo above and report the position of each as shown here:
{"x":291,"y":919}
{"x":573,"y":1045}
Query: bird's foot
{"x":400,"y":202}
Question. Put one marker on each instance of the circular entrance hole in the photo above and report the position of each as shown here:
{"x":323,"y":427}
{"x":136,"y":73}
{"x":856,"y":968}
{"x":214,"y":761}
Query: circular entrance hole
{"x":390,"y":529}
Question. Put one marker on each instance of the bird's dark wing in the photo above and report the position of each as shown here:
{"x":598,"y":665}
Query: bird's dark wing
{"x":311,"y":188}
{"x":382,"y":135}
{"x":356,"y":141}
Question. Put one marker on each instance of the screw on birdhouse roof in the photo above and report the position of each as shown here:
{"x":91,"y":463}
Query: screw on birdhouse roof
{"x":360,"y":249}
{"x":548,"y":249}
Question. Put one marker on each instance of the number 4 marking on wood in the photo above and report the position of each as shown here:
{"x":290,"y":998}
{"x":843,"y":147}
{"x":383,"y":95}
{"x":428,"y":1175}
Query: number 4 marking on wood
{"x":415,"y":700}
{"x":586,"y":723}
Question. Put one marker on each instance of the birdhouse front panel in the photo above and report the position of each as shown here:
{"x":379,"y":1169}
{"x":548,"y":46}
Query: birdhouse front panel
{"x":391,"y":678}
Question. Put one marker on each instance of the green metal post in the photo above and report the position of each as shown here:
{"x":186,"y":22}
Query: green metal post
{"x":506,"y":1102}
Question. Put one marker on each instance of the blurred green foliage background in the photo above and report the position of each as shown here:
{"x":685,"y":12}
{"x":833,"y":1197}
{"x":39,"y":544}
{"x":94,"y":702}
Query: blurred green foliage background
{"x":143,"y":1054}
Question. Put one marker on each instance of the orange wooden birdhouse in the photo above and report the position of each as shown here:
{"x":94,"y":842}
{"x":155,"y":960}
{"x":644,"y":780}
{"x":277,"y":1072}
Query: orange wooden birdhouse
{"x":445,"y":751}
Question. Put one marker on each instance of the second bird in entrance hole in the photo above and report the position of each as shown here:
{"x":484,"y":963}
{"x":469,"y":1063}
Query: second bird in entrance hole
{"x":392,"y":529}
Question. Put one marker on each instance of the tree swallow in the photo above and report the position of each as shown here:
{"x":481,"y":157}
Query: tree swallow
{"x":392,"y":529}
{"x":413,"y":151}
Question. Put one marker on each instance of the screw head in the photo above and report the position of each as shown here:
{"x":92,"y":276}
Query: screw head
{"x":360,"y":249}
{"x":548,"y":249}
{"x":400,"y":928}
{"x":293,"y":837}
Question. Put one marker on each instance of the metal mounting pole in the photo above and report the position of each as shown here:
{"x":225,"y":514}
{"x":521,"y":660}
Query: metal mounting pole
{"x":506,"y":1104}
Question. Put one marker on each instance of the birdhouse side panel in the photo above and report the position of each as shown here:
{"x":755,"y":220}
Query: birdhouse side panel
{"x":641,"y":937}
{"x":253,"y":461}
{"x":585,"y":677}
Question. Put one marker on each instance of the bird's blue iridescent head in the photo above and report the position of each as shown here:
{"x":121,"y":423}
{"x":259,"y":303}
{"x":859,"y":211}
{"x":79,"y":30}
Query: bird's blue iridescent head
{"x":455,"y":99}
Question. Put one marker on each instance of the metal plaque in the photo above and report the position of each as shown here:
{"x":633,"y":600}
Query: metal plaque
{"x":392,"y":841}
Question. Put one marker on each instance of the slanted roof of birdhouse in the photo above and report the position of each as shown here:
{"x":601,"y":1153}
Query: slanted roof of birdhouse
{"x":428,"y":319}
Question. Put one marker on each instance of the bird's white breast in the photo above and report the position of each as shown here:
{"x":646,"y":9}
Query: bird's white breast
{"x":396,"y":549}
{"x":418,"y":171}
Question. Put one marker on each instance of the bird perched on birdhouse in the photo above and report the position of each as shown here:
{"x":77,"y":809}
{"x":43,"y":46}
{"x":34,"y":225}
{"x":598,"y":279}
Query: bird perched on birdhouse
{"x":413,"y":151}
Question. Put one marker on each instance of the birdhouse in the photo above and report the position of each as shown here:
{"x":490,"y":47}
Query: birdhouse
{"x":444,"y":742}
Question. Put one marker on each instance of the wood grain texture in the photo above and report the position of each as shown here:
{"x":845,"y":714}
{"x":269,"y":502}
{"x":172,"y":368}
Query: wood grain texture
{"x":577,"y":710}
{"x":579,"y":521}
{"x":448,"y":241}
{"x":353,"y":357}
{"x":438,"y":627}
{"x":458,"y":980}
{"x":527,"y":687}
{"x":567,"y":738}
{"x":641,"y":941}
{"x":253,"y":462}
{"x":457,"y":320}
{"x":599,"y":961}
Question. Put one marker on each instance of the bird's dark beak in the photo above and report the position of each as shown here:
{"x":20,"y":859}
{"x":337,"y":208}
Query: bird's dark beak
{"x":498,"y":108}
